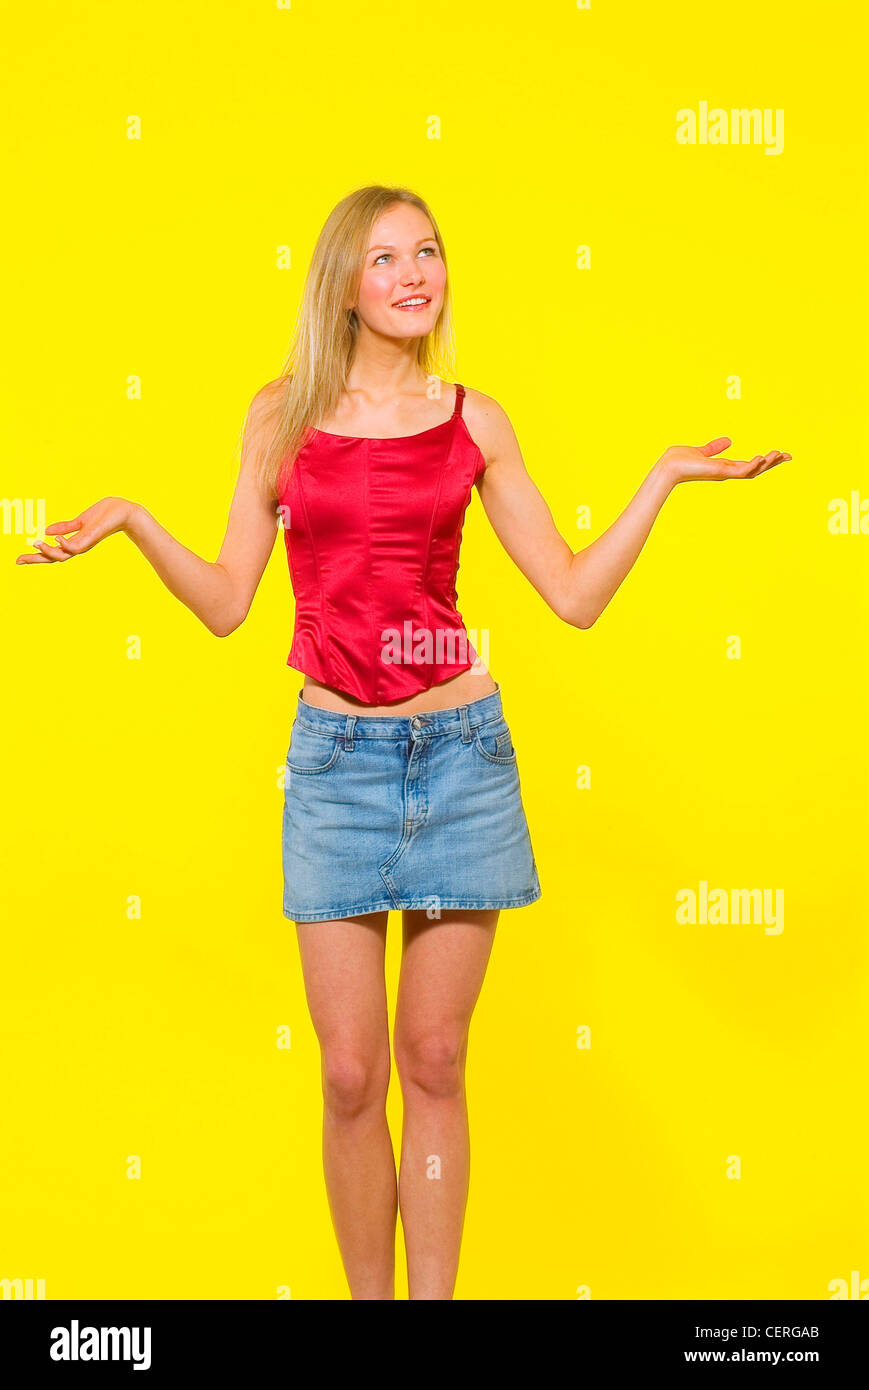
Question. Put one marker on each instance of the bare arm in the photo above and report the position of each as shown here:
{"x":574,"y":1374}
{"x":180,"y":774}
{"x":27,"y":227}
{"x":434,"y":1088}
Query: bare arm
{"x":219,"y":592}
{"x":578,"y":586}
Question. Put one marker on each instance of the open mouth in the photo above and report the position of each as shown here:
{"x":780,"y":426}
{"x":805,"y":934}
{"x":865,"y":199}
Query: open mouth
{"x":413,"y":304}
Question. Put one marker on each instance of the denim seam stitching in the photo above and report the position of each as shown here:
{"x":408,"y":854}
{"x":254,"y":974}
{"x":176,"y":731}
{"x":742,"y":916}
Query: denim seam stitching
{"x":462,"y":904}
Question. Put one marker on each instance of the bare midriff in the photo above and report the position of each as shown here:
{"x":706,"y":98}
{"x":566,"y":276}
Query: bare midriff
{"x":462,"y":689}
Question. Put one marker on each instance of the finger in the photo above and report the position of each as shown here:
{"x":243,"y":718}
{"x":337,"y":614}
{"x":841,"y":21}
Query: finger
{"x":762,"y":462}
{"x":51,"y":552}
{"x":759,"y":460}
{"x":76,"y":545}
{"x":63,"y":526}
{"x":739,"y":468}
{"x":32,"y":560}
{"x":715,"y":445}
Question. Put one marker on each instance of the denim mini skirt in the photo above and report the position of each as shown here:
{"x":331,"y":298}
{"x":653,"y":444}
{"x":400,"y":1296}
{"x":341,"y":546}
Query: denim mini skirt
{"x":384,"y":812}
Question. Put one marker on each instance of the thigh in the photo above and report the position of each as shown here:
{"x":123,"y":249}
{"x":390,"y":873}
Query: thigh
{"x":345,"y":985}
{"x":443,"y":966}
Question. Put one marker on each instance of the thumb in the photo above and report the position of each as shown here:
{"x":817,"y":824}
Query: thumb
{"x":715,"y":445}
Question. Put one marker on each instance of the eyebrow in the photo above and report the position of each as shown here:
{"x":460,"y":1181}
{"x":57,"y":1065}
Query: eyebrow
{"x":392,"y":248}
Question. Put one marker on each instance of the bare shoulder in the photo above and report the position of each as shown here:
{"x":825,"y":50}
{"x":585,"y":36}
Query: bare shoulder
{"x":263,"y":415}
{"x":268,"y":398}
{"x":488,"y":425}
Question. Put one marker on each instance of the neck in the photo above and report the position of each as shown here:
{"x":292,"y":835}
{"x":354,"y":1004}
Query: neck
{"x":384,"y":368}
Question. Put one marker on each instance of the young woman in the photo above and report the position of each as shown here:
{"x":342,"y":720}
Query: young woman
{"x":402,"y":787}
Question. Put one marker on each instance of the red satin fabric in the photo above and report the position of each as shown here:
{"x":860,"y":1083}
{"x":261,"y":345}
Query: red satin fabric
{"x":373,"y":531}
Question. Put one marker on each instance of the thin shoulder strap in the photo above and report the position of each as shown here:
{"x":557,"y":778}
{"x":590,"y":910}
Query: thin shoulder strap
{"x":460,"y":396}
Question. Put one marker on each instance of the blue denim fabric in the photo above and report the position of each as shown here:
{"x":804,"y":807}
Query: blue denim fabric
{"x":384,"y":812}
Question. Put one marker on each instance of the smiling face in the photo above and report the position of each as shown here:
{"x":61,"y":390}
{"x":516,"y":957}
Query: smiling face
{"x":401,"y":267}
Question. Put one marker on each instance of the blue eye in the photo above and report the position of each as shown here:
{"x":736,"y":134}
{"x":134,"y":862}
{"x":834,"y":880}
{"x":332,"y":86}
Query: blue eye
{"x":379,"y":258}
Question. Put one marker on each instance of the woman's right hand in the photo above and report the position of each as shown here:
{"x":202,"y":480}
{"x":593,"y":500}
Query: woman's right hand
{"x":103,"y":519}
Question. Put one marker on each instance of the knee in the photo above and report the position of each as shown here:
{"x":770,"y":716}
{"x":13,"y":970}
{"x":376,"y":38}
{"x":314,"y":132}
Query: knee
{"x":353,"y":1082}
{"x":432,"y":1061}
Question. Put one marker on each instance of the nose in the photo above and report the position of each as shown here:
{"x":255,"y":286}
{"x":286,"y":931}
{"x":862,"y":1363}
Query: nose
{"x":414,"y":274}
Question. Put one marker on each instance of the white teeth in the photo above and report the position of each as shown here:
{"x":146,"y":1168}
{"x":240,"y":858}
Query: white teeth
{"x":405,"y":302}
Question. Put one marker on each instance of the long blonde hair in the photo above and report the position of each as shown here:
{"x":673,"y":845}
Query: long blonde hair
{"x":314,"y":374}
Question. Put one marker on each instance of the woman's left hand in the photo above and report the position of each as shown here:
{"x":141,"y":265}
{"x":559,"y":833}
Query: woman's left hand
{"x":683,"y":463}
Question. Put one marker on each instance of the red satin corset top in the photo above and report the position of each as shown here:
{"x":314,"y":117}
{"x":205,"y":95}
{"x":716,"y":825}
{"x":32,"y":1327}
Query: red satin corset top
{"x":373,"y":530}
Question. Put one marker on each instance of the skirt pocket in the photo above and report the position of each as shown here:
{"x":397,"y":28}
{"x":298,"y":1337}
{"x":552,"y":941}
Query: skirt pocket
{"x":311,"y":753}
{"x":494,"y":742}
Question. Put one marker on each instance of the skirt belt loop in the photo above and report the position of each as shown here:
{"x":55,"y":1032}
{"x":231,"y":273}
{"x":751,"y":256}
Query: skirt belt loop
{"x":466,"y":723}
{"x":348,"y":731}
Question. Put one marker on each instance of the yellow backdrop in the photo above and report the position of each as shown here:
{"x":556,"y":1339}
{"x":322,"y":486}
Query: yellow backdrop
{"x":659,"y":1109}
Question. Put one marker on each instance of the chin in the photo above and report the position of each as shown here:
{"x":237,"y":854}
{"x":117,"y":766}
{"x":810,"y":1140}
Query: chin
{"x":413,"y":330}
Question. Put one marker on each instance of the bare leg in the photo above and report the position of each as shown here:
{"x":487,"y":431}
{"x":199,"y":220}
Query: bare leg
{"x":442,"y":970}
{"x":343,"y":968}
